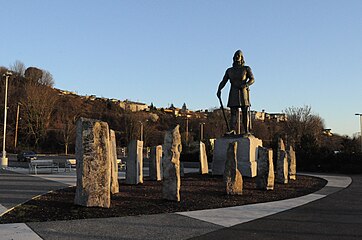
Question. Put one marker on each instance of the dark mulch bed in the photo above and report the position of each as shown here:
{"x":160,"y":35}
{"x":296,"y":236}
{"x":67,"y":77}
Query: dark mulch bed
{"x":197,"y":192}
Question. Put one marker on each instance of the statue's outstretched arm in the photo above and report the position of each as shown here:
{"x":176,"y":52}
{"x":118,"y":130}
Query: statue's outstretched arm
{"x":222,"y":84}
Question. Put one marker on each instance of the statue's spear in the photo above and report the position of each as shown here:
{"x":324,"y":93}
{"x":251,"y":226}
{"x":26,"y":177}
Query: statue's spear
{"x":223,"y":113}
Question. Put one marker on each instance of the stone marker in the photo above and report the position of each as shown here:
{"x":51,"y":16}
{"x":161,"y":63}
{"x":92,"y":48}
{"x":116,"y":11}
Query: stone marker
{"x":204,"y":167}
{"x":171,"y":165}
{"x":134,"y":166}
{"x":292,"y":162}
{"x":247,"y":154}
{"x":114,"y":164}
{"x":282,"y":163}
{"x":265,"y":177}
{"x":156,"y":163}
{"x":232,"y":177}
{"x":93,"y":164}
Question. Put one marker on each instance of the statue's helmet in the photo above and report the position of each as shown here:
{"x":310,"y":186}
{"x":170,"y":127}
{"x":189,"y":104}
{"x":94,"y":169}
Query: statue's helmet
{"x":238,"y":56}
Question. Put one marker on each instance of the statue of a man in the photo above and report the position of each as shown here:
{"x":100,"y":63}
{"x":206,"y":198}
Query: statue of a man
{"x":241,"y":77}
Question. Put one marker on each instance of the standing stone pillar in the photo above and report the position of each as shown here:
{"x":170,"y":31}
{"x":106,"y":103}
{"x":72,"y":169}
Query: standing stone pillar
{"x":114,"y":164}
{"x":232,"y":177}
{"x":171,"y":165}
{"x":134,"y":166}
{"x":265,"y":176}
{"x":292,"y":161}
{"x":282,"y":163}
{"x":156,"y":163}
{"x":93,"y":164}
{"x":204,"y":167}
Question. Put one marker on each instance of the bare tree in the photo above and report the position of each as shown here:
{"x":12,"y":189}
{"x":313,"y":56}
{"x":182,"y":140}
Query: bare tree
{"x":38,"y":106}
{"x":68,"y":118}
{"x":18,"y":67}
{"x":301,"y":122}
{"x":46,"y":79}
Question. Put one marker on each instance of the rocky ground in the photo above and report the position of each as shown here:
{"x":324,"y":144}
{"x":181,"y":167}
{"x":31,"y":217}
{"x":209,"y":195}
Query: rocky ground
{"x":197,"y":192}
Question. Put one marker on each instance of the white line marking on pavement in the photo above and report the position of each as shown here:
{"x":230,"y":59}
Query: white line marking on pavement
{"x":17,"y":231}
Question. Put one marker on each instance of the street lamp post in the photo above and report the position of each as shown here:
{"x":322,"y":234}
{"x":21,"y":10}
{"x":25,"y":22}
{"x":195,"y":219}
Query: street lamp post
{"x":4,"y":159}
{"x":360,"y":122}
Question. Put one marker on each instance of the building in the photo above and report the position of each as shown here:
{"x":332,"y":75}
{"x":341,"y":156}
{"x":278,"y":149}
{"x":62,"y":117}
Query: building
{"x":133,"y":106}
{"x":263,"y":116}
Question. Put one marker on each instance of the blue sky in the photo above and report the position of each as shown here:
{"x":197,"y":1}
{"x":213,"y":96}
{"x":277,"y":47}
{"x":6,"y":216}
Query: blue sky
{"x":301,"y":52}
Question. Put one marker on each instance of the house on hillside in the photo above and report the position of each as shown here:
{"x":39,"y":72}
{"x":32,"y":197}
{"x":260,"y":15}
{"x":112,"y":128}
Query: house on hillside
{"x":133,"y":106}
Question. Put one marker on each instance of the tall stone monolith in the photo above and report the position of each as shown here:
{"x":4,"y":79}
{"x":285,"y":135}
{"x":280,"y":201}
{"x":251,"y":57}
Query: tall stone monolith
{"x":282,"y":163}
{"x":134,"y":166}
{"x":114,"y":164}
{"x":156,"y":163}
{"x":232,"y":176}
{"x":292,"y":162}
{"x":204,"y":167}
{"x":93,"y":164}
{"x":171,"y":165}
{"x":265,"y":176}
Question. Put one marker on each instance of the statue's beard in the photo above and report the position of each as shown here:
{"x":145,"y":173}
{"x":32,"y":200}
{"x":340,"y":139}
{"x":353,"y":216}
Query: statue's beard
{"x":238,"y":63}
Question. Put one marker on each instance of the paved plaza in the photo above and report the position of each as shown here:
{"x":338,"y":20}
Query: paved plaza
{"x":334,"y":212}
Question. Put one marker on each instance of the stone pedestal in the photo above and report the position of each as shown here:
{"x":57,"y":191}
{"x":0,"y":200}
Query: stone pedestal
{"x":246,"y":155}
{"x":232,"y":177}
{"x":114,"y":164}
{"x":265,"y":176}
{"x":93,"y":164}
{"x":282,"y":163}
{"x":156,"y":163}
{"x":171,"y":165}
{"x":134,"y":166}
{"x":204,"y":167}
{"x":292,"y":162}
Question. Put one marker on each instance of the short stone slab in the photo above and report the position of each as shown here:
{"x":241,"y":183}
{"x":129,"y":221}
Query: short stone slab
{"x":114,"y":164}
{"x":156,"y":163}
{"x":265,"y":177}
{"x":134,"y":166}
{"x":171,"y":165}
{"x":204,"y":167}
{"x":93,"y":164}
{"x":292,"y":162}
{"x":282,"y":163}
{"x":232,"y":176}
{"x":247,"y":154}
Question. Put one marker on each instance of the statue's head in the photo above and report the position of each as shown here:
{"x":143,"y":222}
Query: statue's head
{"x":238,"y":58}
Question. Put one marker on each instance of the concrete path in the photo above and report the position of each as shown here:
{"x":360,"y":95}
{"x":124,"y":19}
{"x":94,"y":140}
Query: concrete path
{"x":205,"y":224}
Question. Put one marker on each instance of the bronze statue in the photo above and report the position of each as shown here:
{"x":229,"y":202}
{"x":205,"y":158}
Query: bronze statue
{"x":241,"y":77}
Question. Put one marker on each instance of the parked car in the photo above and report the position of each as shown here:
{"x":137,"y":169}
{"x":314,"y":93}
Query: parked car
{"x":26,"y":156}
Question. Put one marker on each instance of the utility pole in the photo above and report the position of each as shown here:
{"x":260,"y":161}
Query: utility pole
{"x":187,"y":131}
{"x":141,"y":130}
{"x":202,"y":131}
{"x":17,"y":125}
